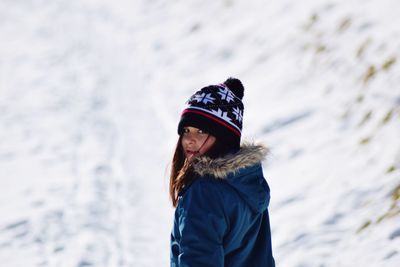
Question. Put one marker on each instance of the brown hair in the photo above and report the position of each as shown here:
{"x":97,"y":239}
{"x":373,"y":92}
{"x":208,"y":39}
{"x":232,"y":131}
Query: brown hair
{"x":182,"y":170}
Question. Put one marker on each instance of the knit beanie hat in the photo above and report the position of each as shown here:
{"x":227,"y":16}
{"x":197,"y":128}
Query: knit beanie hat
{"x":217,"y":110}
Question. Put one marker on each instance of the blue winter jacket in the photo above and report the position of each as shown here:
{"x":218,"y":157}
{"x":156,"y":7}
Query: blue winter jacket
{"x":222,"y":217}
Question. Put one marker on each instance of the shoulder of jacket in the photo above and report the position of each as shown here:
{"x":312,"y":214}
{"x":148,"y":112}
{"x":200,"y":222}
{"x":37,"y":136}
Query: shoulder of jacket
{"x":208,"y":187}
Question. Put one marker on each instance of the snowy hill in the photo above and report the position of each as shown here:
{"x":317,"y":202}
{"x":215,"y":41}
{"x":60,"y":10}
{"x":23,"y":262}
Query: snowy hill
{"x":90,"y":96}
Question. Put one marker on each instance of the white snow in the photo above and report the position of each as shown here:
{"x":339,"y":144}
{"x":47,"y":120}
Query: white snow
{"x":91,"y":93}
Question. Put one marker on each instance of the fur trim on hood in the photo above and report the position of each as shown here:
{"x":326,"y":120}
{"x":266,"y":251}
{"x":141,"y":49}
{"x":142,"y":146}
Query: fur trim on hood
{"x":248,"y":155}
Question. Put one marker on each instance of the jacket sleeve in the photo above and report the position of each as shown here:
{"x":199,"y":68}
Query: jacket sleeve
{"x":202,"y":226}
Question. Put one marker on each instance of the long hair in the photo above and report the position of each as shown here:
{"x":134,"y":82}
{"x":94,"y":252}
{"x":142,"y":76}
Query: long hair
{"x":182,"y":170}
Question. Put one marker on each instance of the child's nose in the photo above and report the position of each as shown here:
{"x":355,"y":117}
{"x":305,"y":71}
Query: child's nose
{"x":192,"y":137}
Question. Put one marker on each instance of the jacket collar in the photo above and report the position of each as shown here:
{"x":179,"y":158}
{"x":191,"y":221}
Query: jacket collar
{"x":248,"y":155}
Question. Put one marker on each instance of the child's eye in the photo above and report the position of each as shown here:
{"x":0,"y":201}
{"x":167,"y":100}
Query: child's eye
{"x":187,"y":131}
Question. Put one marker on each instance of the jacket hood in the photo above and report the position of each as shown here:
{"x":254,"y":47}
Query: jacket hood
{"x":242,"y":170}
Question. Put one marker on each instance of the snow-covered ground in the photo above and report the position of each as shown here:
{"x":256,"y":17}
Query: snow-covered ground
{"x":90,"y":97}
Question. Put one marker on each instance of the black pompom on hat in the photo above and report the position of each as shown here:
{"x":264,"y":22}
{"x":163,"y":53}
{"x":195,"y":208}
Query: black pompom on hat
{"x":217,"y":110}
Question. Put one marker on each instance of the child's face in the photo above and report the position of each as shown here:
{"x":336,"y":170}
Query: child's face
{"x":195,"y":142}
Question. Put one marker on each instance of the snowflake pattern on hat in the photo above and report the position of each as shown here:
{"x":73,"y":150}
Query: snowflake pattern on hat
{"x":226,"y":94}
{"x":220,"y":103}
{"x":203,"y":98}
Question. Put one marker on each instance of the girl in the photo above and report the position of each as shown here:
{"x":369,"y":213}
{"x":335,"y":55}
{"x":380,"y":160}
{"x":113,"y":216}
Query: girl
{"x":217,"y":186}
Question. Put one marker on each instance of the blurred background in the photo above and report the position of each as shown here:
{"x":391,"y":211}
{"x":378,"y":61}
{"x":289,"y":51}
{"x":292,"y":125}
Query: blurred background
{"x":91,"y":93}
